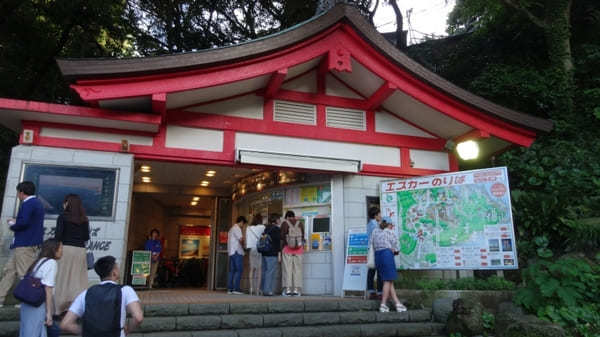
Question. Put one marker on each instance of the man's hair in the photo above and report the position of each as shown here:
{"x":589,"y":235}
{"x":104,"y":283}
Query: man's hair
{"x":27,"y":187}
{"x":241,"y":218}
{"x":290,"y":214}
{"x":154,"y":230}
{"x":104,"y":266}
{"x":373,"y":211}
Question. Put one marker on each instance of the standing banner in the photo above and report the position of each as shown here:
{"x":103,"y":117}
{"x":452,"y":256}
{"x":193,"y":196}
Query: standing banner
{"x":459,"y":220}
{"x":140,"y":267}
{"x":355,"y":269}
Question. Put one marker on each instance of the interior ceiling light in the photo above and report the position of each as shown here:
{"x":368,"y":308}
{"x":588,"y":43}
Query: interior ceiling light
{"x":211,"y":173}
{"x":196,"y":198}
{"x":145,"y":168}
{"x":194,"y":203}
{"x":146,"y":179}
{"x":468,"y":150}
{"x":204,"y":183}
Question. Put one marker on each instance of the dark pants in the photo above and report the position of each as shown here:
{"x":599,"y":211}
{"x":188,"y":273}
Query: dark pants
{"x":371,"y":281}
{"x":236,"y":267}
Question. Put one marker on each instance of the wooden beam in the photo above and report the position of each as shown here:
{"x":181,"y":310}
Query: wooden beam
{"x":379,"y":96}
{"x":275,"y":83}
{"x":159,"y":103}
{"x":472,"y":135}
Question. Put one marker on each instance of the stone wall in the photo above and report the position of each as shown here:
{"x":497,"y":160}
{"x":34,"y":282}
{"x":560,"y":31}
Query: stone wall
{"x":108,"y":237}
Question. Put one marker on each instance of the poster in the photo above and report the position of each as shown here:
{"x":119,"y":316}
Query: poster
{"x":140,"y":263}
{"x":459,"y":220}
{"x":308,"y":195}
{"x":355,"y":270}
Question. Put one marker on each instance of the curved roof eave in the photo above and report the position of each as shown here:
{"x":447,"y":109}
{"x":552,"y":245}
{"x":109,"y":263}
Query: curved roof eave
{"x":98,"y":68}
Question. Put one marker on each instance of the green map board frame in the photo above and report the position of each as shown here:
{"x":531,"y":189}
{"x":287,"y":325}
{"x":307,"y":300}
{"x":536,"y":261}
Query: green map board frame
{"x":459,"y":220}
{"x":140,"y":267}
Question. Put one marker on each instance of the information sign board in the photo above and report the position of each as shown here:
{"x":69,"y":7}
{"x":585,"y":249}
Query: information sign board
{"x":355,"y":270}
{"x":459,"y":220}
{"x":140,"y":266}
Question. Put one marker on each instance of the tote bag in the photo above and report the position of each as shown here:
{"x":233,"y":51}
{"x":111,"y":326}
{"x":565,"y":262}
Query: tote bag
{"x":371,"y":257}
{"x":30,"y":289}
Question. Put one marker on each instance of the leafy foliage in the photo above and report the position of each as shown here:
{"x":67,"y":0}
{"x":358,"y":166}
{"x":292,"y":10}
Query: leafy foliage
{"x":565,"y":291}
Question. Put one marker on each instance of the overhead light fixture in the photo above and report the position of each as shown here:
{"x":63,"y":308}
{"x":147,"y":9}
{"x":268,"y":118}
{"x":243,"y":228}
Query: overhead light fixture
{"x":146,"y":168}
{"x":194,"y":203}
{"x":259,"y":187}
{"x":468,"y":150}
{"x":196,"y":198}
{"x":211,"y":173}
{"x":146,"y":179}
{"x":204,"y":183}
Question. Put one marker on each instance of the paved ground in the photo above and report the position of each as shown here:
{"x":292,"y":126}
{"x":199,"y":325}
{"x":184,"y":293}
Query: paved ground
{"x":157,"y":296}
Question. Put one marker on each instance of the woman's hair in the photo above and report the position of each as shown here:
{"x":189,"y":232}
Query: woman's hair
{"x":49,"y":249}
{"x":153,"y":231}
{"x":273,"y":218}
{"x":257,"y":220}
{"x":74,"y":211}
{"x":290,"y":214}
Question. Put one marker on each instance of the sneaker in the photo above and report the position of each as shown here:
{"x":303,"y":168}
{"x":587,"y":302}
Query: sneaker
{"x":400,"y":307}
{"x":296,"y":292}
{"x":17,"y":306}
{"x":286,"y":293}
{"x":229,"y":292}
{"x":235,"y":292}
{"x":384,"y":308}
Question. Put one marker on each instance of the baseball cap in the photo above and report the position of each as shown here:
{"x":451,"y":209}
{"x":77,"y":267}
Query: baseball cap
{"x":386,"y":219}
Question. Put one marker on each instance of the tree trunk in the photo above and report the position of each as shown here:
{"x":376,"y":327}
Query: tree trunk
{"x":557,"y":33}
{"x":400,"y":35}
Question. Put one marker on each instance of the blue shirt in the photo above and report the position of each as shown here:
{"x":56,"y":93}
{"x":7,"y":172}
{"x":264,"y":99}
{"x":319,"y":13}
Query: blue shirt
{"x":29,"y":225}
{"x":371,"y":225}
{"x":153,"y":246}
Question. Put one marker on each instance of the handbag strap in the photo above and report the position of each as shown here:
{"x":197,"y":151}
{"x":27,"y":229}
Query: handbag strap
{"x":38,"y":267}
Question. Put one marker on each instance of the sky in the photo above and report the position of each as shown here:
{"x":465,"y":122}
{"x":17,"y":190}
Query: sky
{"x":426,"y":17}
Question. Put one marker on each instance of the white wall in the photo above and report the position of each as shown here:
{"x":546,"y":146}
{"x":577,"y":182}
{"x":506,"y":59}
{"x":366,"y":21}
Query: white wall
{"x":109,"y":237}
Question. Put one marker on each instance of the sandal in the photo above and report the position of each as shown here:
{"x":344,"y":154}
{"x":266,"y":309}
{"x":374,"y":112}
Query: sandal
{"x":400,"y":307}
{"x":384,"y":308}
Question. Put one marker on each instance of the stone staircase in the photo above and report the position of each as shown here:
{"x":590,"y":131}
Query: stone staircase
{"x":306,"y":318}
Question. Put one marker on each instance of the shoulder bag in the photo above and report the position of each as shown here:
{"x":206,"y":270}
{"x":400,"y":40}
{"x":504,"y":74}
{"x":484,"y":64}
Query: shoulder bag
{"x":30,"y":289}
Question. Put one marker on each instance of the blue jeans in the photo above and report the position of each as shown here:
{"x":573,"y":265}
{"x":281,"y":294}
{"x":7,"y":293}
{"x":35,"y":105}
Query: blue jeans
{"x":268,"y":274}
{"x":236,"y":267}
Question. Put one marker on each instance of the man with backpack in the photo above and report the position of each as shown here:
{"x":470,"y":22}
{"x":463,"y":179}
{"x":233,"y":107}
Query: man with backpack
{"x":270,"y":247}
{"x":103,"y":307}
{"x":292,"y":234}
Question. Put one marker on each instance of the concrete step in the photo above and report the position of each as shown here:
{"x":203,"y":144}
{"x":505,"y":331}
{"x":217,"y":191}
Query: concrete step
{"x":331,"y":317}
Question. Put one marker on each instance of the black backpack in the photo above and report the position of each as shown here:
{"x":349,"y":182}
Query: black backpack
{"x":102,"y":315}
{"x":265,"y":243}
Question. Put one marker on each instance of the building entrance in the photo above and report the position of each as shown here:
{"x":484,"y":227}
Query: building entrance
{"x":193,"y":206}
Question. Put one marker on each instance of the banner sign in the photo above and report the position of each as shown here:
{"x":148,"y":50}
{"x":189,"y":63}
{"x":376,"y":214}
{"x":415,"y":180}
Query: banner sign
{"x":355,"y":270}
{"x":140,"y":267}
{"x":459,"y":220}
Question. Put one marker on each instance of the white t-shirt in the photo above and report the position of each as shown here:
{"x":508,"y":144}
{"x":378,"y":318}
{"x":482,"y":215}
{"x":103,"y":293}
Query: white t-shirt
{"x":253,"y":234}
{"x":128,"y":296}
{"x":233,"y":240}
{"x":47,"y":272}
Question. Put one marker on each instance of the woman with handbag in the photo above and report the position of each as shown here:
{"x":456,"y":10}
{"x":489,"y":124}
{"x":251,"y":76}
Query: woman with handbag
{"x":73,"y":230}
{"x":34,"y":319}
{"x":385,"y":243}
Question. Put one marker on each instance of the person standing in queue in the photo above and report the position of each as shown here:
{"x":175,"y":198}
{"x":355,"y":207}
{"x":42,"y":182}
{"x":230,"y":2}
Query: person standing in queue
{"x":154,"y":246}
{"x":235,"y":248}
{"x":292,"y":234}
{"x":254,"y":231}
{"x":73,"y":230}
{"x":374,"y":219}
{"x":28,"y":229}
{"x":271,"y":257}
{"x":385,"y":243}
